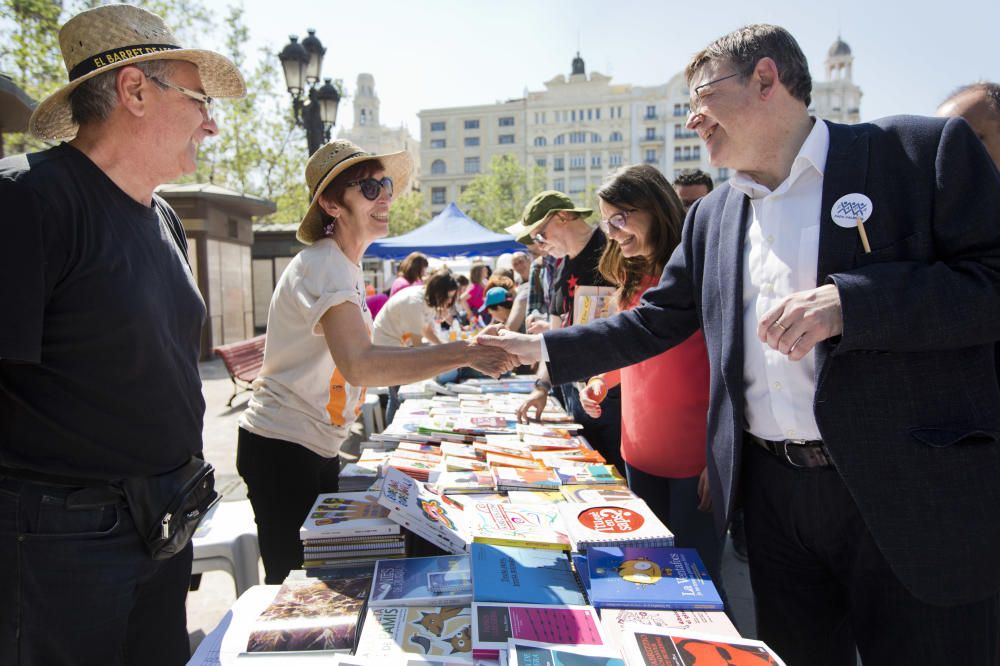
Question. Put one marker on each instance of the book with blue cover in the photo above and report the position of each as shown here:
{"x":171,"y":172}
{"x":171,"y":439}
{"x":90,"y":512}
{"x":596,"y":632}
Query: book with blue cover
{"x":650,"y":578}
{"x":510,"y":574}
{"x":422,"y":581}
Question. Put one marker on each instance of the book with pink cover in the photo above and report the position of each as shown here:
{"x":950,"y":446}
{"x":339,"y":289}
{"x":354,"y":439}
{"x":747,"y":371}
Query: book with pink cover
{"x":493,"y":624}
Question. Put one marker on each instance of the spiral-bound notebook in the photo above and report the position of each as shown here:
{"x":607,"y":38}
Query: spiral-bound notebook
{"x":629,"y":523}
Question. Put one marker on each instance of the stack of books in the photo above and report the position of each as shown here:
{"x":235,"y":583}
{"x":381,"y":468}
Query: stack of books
{"x":349,"y":528}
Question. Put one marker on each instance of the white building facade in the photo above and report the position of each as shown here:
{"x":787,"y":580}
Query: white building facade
{"x":369,"y":133}
{"x":582,"y":127}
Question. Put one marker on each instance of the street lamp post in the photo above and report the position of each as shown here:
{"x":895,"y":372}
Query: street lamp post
{"x":302,"y":64}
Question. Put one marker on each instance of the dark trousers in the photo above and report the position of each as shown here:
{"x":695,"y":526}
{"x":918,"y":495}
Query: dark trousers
{"x":283,"y":480}
{"x":675,"y":502}
{"x":78,"y":587}
{"x":605,"y":432}
{"x":822,"y":588}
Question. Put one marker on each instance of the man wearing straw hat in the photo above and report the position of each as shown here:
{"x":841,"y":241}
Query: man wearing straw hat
{"x":98,"y":353}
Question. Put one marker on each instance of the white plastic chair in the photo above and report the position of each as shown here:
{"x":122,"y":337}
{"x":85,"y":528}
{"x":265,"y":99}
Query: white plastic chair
{"x":227,"y":541}
{"x":371,"y":415}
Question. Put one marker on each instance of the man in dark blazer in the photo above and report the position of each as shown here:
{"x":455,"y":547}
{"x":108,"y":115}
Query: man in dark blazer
{"x":847,"y":281}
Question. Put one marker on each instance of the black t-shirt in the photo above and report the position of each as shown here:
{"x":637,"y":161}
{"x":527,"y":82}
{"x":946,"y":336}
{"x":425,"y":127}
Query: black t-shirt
{"x":102,"y":324}
{"x":573,"y":271}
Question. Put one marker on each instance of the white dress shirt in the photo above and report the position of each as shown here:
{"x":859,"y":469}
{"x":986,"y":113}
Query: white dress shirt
{"x":779,"y":259}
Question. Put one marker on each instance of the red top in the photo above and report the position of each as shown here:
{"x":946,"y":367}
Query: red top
{"x":665,"y":407}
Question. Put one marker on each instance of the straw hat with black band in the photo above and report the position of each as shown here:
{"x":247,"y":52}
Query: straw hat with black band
{"x":112,"y":36}
{"x":329,"y":162}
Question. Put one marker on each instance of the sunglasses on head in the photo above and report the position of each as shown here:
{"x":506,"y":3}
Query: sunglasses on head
{"x":371,"y":188}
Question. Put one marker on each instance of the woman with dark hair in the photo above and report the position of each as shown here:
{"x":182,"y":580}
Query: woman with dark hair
{"x":411,"y":271}
{"x":663,"y":449}
{"x":319,"y":353}
{"x":409,"y":317}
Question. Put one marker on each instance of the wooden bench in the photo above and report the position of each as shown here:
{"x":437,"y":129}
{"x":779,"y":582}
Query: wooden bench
{"x":243,"y":360}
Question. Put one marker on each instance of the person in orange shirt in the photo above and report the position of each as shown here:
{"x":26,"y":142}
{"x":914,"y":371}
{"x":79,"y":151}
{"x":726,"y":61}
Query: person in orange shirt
{"x":663,"y":448}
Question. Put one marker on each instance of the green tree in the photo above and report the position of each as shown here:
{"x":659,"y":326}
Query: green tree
{"x":497,"y":198}
{"x":258,"y":151}
{"x":408,"y":213}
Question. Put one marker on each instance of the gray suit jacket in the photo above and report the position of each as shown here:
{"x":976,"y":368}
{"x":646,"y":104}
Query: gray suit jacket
{"x":907,"y":399}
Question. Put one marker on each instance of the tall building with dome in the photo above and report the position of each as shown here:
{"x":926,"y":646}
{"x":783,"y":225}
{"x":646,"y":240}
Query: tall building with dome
{"x":837,"y":97}
{"x":582,"y":126}
{"x":368,"y":131}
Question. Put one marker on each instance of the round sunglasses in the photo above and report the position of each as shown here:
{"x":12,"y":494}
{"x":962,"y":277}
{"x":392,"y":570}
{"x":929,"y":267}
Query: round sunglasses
{"x":371,"y":188}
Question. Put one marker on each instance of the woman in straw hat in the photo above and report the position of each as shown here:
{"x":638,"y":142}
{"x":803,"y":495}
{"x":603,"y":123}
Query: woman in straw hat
{"x":319,"y":351}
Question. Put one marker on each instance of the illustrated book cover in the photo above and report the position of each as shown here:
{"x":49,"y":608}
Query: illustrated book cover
{"x":390,"y":633}
{"x":510,"y":574}
{"x":311,"y":614}
{"x":423,"y":511}
{"x":347,"y":515}
{"x":654,"y":646}
{"x":422,"y":581}
{"x":535,"y":525}
{"x":614,"y":524}
{"x":650,"y":578}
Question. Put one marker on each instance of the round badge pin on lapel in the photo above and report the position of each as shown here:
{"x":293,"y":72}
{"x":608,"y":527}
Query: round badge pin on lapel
{"x":853,"y":210}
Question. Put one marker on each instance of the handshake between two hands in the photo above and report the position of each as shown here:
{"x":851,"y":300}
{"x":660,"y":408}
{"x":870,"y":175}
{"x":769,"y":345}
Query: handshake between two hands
{"x":497,"y":350}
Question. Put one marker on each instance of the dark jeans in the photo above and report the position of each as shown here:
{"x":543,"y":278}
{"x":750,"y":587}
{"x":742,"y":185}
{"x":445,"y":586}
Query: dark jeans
{"x":283,"y":480}
{"x":675,"y":502}
{"x":78,"y":587}
{"x":605,"y":432}
{"x":822,"y":586}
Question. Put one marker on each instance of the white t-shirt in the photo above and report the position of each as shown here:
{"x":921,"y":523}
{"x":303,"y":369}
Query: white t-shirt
{"x":402,"y":318}
{"x":299,"y":395}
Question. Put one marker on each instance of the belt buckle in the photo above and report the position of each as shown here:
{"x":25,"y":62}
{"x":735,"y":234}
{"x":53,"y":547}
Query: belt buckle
{"x":817,"y":457}
{"x":783,"y":448}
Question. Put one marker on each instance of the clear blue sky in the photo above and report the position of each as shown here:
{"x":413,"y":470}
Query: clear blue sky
{"x":439,"y":53}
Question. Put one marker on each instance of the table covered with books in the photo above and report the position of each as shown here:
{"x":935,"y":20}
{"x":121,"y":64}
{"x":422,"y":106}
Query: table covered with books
{"x":460,"y":537}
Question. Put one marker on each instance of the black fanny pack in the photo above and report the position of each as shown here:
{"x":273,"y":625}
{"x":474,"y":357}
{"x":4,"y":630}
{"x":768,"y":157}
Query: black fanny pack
{"x":168,"y":508}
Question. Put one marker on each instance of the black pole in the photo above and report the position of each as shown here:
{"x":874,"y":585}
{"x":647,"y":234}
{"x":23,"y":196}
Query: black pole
{"x":313,"y":123}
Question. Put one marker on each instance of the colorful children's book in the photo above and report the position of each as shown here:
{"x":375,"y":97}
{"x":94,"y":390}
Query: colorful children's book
{"x":530,"y":525}
{"x":650,"y":578}
{"x":311,"y":614}
{"x":578,"y":493}
{"x":390,"y":633}
{"x":708,"y":622}
{"x":347,"y":515}
{"x":524,"y":575}
{"x":614,"y":524}
{"x":422,"y":581}
{"x":493,"y":624}
{"x":589,"y":474}
{"x":507,"y":478}
{"x":653,"y":646}
{"x":423,"y":511}
{"x":454,"y":483}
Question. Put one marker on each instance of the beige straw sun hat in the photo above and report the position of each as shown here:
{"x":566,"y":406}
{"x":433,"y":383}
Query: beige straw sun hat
{"x":111,"y":36}
{"x":330,"y":161}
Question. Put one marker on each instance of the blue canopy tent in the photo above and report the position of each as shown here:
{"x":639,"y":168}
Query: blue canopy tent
{"x":451,"y":233}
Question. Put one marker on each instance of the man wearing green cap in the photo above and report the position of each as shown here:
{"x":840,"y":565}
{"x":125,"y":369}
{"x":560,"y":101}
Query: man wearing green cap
{"x":556,"y":226}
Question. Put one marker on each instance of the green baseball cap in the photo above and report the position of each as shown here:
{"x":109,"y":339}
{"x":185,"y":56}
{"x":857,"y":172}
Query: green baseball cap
{"x":537,"y":212}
